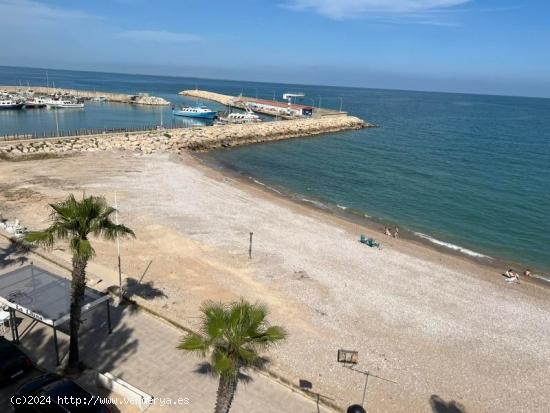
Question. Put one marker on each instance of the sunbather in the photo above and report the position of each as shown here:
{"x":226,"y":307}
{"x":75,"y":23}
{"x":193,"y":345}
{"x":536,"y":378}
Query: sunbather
{"x":512,"y":276}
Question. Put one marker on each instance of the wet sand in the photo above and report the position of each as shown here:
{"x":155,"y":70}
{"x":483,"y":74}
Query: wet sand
{"x":435,"y":323}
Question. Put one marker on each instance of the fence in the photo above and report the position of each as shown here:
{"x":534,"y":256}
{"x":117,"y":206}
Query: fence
{"x":93,"y":131}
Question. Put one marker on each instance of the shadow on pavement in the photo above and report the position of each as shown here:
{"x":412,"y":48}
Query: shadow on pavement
{"x":441,"y":406}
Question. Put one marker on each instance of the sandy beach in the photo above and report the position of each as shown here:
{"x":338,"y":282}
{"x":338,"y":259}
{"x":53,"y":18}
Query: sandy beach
{"x":433,"y":323}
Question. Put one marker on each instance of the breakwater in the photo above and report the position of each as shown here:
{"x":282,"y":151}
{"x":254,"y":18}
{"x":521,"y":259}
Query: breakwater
{"x":177,"y":140}
{"x":137,"y":99}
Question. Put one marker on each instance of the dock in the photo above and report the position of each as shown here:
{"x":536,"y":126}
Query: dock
{"x":135,"y":99}
{"x":275,"y":108}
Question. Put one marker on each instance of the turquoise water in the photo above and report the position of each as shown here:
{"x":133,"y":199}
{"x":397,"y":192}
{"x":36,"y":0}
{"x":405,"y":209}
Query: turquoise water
{"x":467,"y":171}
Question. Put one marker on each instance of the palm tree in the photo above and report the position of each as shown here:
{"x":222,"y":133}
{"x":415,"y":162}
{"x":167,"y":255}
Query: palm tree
{"x":232,"y":336}
{"x":74,"y":221}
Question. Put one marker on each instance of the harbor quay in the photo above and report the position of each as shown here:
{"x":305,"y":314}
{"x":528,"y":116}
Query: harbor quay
{"x":137,"y":99}
{"x":177,"y":140}
{"x":278,"y":109}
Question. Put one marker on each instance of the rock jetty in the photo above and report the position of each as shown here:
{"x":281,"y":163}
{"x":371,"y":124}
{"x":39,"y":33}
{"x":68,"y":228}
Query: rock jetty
{"x":178,"y":140}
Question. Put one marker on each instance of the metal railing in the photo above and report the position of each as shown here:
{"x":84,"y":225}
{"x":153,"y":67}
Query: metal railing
{"x":89,"y":132}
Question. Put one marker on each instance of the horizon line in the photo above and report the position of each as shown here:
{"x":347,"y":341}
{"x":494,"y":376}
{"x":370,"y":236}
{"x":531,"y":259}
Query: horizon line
{"x":282,"y":83}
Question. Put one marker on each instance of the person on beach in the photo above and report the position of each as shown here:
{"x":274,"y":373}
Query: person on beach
{"x":512,"y":276}
{"x":527,"y":273}
{"x":387,"y":231}
{"x":396,"y":232}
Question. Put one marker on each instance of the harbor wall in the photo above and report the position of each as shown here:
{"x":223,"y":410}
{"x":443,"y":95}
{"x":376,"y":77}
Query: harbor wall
{"x":111,"y":97}
{"x":177,"y":140}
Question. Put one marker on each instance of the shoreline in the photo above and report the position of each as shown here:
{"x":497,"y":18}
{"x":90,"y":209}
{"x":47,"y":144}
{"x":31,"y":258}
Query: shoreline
{"x":496,"y":265}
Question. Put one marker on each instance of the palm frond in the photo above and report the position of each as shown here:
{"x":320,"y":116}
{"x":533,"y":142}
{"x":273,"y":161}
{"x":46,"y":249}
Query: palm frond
{"x":214,"y":319}
{"x":82,"y":248}
{"x":195,"y":343}
{"x":223,"y":365}
{"x":43,"y":238}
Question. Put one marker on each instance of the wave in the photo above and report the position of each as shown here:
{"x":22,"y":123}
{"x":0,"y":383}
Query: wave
{"x":452,"y":246}
{"x":342,"y":207}
{"x":265,"y":186}
{"x":542,"y":277}
{"x":316,"y":203}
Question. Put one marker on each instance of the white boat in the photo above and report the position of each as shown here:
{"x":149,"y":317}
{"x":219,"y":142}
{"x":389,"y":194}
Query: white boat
{"x":64,"y":103}
{"x":37,"y":102}
{"x":7,"y":102}
{"x":238,"y":117}
{"x":195,"y":112}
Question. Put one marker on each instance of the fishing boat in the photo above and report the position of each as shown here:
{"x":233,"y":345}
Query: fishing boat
{"x":202,"y":112}
{"x":7,"y":102}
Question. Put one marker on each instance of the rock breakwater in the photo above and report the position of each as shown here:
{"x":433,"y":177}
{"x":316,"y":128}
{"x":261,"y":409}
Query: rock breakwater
{"x":177,"y":140}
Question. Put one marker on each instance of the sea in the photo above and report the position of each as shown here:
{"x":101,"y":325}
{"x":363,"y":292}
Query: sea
{"x":465,"y":173}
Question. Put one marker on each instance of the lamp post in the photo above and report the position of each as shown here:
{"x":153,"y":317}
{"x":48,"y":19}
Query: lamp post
{"x":118,"y":254}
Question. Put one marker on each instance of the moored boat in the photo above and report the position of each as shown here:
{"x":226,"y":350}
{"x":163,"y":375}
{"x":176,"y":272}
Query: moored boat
{"x":64,"y":104}
{"x":37,"y":103}
{"x":7,"y":102}
{"x":238,"y":117}
{"x":195,"y":112}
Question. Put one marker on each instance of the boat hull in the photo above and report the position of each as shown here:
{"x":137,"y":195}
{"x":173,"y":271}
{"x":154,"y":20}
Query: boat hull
{"x":200,"y":115}
{"x":12,"y":107}
{"x":35,"y":105}
{"x":71,"y":106}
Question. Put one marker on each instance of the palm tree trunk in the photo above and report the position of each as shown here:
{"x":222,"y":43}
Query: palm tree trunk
{"x":226,"y":392}
{"x":78,"y":287}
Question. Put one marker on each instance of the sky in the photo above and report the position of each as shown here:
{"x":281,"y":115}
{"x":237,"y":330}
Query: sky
{"x":472,"y":46}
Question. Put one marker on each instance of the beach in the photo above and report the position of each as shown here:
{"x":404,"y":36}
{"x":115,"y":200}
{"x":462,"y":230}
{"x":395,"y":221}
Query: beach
{"x":432,"y":323}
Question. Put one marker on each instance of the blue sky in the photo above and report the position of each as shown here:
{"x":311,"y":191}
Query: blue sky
{"x":479,"y":46}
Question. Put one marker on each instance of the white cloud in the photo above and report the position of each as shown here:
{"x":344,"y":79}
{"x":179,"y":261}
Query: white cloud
{"x":341,"y":9}
{"x":30,"y":13}
{"x":159,"y":36}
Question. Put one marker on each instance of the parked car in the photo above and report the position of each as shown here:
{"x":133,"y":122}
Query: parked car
{"x":13,"y":362}
{"x":51,"y":393}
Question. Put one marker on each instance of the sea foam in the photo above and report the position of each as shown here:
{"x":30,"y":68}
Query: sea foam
{"x":452,"y":246}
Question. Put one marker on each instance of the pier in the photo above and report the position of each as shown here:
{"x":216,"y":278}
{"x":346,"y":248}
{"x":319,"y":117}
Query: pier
{"x":284,"y":110}
{"x":136,"y":99}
